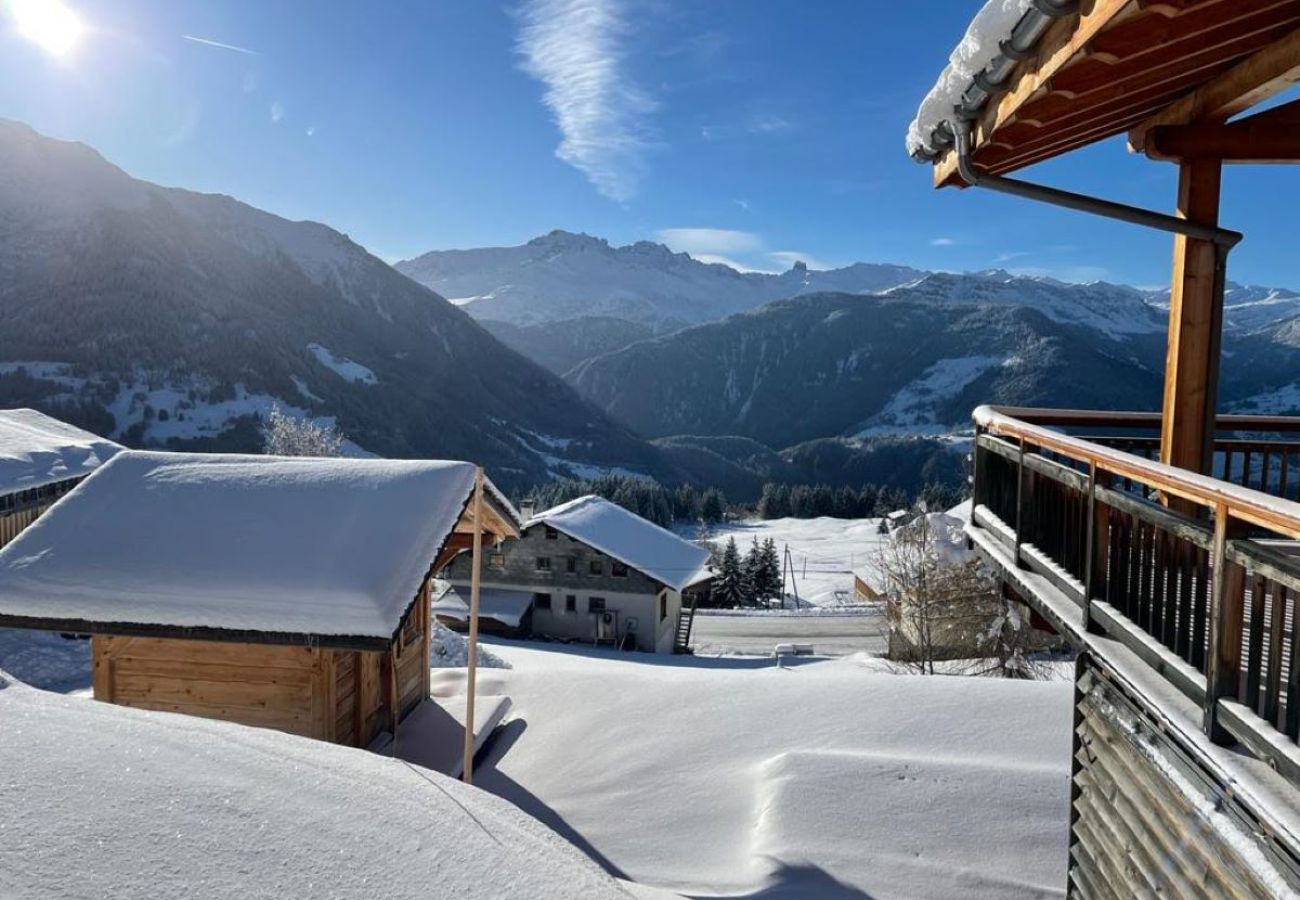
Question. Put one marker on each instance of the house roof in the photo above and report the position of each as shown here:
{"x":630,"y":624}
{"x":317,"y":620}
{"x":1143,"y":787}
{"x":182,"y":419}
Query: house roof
{"x":256,"y":548}
{"x":625,"y":536}
{"x":1038,"y":79}
{"x":36,"y":449}
{"x":505,"y":606}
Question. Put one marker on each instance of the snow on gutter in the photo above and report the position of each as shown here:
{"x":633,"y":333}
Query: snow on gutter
{"x":1002,"y":33}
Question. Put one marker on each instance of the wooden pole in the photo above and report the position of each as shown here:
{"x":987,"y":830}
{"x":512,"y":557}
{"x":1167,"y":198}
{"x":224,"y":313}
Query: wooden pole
{"x":476,"y":573}
{"x":1195,"y":326}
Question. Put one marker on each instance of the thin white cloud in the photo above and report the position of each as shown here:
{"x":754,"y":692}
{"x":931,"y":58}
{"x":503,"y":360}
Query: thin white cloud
{"x":1009,"y":256}
{"x":277,"y":111}
{"x":311,"y":131}
{"x":943,"y":242}
{"x":787,"y":258}
{"x":743,"y":204}
{"x":769,"y":123}
{"x":715,"y":258}
{"x":711,"y":241}
{"x":577,"y":49}
{"x":207,"y":42}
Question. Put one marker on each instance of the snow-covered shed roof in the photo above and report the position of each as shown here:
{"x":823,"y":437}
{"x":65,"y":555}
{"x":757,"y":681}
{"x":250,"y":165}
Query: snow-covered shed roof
{"x":627,"y":537}
{"x":502,"y":604}
{"x":270,"y":548}
{"x":36,"y":449}
{"x":117,"y":802}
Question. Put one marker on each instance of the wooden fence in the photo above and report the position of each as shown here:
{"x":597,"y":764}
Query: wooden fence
{"x":1198,"y":575}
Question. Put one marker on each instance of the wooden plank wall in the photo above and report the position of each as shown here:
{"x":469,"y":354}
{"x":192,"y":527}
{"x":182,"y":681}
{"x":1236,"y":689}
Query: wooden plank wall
{"x":286,"y":688}
{"x":343,"y":696}
{"x":1142,"y":824}
{"x":13,"y":523}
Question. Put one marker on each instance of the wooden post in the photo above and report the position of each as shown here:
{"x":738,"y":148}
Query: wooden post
{"x":1227,"y":616}
{"x":476,"y":574}
{"x":1098,"y":547}
{"x":1195,"y":326}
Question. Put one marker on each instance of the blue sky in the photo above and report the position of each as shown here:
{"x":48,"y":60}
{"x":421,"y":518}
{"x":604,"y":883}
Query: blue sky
{"x":750,"y":130}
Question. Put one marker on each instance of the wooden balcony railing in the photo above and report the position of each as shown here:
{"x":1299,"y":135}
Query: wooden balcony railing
{"x":1197,"y":575}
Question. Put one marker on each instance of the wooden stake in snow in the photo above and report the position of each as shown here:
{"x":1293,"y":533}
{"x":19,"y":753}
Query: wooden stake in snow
{"x":476,"y":572}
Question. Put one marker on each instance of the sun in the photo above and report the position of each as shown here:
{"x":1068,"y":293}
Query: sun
{"x":49,"y":23}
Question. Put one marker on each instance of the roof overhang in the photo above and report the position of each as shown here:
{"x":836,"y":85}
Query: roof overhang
{"x":1135,"y":66}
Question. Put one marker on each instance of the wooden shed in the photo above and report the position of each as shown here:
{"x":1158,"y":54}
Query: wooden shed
{"x":286,"y":593}
{"x":41,"y":459}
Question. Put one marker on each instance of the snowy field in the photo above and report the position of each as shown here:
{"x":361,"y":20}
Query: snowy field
{"x":103,"y":801}
{"x":824,"y":551}
{"x":714,"y":777}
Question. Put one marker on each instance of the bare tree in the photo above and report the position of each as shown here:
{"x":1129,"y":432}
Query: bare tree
{"x":284,"y":435}
{"x":945,"y":612}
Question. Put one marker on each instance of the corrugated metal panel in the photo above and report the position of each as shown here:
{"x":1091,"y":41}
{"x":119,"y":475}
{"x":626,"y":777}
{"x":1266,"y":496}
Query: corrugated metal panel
{"x":1149,"y":821}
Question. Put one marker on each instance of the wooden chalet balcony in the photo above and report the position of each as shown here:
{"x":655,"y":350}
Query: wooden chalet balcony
{"x":1198,"y":576}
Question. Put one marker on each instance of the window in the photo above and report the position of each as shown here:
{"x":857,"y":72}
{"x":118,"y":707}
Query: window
{"x":597,"y":567}
{"x":570,"y":603}
{"x":571,"y":565}
{"x":595,"y":604}
{"x":618,"y":569}
{"x":497,"y":561}
{"x":543,"y":564}
{"x":541,"y":601}
{"x":663,"y":607}
{"x":551,"y":533}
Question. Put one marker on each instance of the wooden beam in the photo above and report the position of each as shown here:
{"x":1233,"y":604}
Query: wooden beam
{"x":1269,"y":137}
{"x":1252,"y":81}
{"x":475,"y":578}
{"x":1195,"y":327}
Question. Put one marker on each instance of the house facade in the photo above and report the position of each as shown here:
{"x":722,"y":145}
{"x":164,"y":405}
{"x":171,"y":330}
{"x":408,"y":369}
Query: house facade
{"x":586,"y":571}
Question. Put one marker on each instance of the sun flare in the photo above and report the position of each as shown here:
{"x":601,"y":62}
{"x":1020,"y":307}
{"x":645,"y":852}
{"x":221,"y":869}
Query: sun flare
{"x":49,"y":23}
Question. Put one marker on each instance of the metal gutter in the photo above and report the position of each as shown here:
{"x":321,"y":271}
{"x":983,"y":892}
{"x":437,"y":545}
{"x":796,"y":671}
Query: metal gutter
{"x":1224,"y":239}
{"x":992,"y":80}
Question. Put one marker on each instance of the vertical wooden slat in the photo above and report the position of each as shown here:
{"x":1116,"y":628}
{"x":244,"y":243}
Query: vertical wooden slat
{"x":1186,"y":563}
{"x":1201,"y":614}
{"x":1293,"y":676}
{"x":1276,"y":628}
{"x":1256,"y":643}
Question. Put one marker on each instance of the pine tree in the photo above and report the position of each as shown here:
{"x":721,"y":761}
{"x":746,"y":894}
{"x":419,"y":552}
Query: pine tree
{"x":752,"y":574}
{"x":770,"y":570}
{"x":730,"y":584}
{"x":712,"y":506}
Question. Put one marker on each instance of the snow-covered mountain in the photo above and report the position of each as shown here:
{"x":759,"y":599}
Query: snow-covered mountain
{"x":914,"y":359}
{"x":164,"y":317}
{"x":1248,"y":308}
{"x":562,"y":276}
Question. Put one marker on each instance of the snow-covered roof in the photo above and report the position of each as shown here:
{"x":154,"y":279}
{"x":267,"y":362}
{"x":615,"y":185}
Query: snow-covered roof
{"x":982,"y":44}
{"x":36,"y":449}
{"x":627,"y":537}
{"x":503,"y":605}
{"x":325,"y":547}
{"x":117,"y":802}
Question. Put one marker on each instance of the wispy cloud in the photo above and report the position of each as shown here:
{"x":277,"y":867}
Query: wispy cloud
{"x":277,"y":112}
{"x":943,"y":242}
{"x":743,"y":204}
{"x":577,"y":49}
{"x":208,"y":42}
{"x":725,"y":241}
{"x":768,"y":123}
{"x":1009,"y":256}
{"x":744,"y":251}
